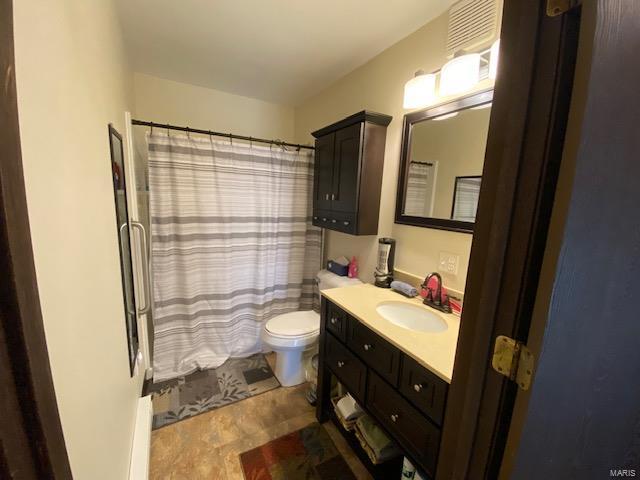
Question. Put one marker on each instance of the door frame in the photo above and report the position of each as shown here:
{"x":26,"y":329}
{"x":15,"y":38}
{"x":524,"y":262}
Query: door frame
{"x":31,"y":440}
{"x":524,"y":147}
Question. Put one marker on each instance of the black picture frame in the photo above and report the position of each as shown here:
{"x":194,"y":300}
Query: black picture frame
{"x":410,"y":119}
{"x":118,"y":180}
{"x":455,"y":191}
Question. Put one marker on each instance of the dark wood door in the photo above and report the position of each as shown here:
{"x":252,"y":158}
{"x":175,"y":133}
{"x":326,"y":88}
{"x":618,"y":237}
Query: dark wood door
{"x":581,"y":418}
{"x":348,"y":144}
{"x":323,"y":172}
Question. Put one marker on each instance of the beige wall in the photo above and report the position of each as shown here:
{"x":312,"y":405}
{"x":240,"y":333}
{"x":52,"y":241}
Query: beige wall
{"x":72,"y":81}
{"x":165,"y":101}
{"x":378,"y":85}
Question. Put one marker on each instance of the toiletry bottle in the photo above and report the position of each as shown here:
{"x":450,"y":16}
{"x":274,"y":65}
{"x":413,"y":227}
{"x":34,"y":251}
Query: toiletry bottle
{"x":353,"y":268}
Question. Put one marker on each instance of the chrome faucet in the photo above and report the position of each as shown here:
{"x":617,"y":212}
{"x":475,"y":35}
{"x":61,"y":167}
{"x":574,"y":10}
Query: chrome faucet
{"x":438,"y":303}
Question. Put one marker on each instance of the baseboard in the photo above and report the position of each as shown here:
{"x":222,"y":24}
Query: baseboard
{"x":139,"y":469}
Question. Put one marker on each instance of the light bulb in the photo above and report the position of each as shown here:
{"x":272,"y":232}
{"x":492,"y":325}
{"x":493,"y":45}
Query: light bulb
{"x":460,"y":74}
{"x":420,"y":91}
{"x":493,"y":59}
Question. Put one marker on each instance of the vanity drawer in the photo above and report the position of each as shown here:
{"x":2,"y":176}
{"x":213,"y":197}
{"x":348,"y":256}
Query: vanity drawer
{"x":337,"y":321}
{"x":424,"y":389}
{"x":346,"y":366}
{"x":375,"y":351}
{"x":413,"y":431}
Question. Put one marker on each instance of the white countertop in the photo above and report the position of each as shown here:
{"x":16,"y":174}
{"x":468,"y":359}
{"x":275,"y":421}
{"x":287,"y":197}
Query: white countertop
{"x":434,"y":351}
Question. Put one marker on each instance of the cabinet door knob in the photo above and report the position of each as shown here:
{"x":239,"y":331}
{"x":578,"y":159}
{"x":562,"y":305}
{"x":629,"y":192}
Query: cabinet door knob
{"x":340,"y":364}
{"x":394,"y":417}
{"x":417,"y":387}
{"x":334,"y":320}
{"x":333,"y":220}
{"x":326,"y":197}
{"x":315,"y":218}
{"x":324,"y":219}
{"x":367,"y":346}
{"x":346,"y":223}
{"x":333,"y":196}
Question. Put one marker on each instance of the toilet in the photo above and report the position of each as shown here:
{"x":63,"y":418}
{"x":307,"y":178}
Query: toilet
{"x":292,"y":334}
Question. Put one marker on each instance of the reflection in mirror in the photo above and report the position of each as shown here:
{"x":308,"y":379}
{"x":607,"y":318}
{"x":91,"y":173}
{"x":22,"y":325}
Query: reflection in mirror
{"x":443,"y":157}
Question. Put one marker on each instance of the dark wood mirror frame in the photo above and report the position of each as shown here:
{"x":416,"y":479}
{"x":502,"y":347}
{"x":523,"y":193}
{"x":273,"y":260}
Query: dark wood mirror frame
{"x":410,"y":119}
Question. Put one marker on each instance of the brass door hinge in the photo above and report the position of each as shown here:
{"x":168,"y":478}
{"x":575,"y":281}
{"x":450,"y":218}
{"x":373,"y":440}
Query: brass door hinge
{"x":558,"y":7}
{"x":514,"y":360}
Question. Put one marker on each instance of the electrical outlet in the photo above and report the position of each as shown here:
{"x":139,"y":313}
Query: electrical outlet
{"x":448,"y":263}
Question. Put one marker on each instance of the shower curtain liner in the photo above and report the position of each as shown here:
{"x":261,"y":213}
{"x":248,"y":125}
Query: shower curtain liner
{"x":232,"y":246}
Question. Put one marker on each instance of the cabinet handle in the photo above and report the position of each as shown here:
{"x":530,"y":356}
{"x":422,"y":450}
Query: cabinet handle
{"x":333,"y":196}
{"x":326,"y":197}
{"x":333,"y":220}
{"x":345,"y":223}
{"x":334,"y":320}
{"x":367,"y":346}
{"x":417,"y":387}
{"x":394,"y":417}
{"x":340,"y":364}
{"x":324,"y":219}
{"x":315,"y":218}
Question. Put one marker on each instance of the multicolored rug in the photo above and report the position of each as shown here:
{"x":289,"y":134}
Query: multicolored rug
{"x":307,"y":454}
{"x":201,"y":391}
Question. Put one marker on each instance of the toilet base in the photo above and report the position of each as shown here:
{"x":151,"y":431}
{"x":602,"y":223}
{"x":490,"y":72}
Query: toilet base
{"x":289,"y":367}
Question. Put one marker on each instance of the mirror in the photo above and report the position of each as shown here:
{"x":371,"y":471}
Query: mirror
{"x":441,"y":164}
{"x":122,"y":225}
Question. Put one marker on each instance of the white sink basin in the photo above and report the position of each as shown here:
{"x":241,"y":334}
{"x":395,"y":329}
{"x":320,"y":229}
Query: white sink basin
{"x":412,"y":317}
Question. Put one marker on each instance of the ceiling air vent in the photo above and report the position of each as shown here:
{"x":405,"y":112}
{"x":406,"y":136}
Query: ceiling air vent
{"x":473,"y":25}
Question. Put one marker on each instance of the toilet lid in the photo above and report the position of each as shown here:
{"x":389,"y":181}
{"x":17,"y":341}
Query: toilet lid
{"x":294,"y":324}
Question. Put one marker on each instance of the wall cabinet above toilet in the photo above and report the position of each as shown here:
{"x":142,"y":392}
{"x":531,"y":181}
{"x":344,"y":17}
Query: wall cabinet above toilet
{"x":348,"y":173}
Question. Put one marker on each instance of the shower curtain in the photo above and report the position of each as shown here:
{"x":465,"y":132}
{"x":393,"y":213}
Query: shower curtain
{"x":232,"y":246}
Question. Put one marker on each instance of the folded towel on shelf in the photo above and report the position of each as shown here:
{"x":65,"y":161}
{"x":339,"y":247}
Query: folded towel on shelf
{"x":382,"y":446}
{"x":404,"y":288}
{"x":348,"y":408}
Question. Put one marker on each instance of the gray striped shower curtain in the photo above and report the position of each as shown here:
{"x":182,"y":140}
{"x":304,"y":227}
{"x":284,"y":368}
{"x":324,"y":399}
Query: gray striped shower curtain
{"x":232,"y":246}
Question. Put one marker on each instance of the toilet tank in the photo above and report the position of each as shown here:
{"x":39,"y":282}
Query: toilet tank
{"x":327,"y":279}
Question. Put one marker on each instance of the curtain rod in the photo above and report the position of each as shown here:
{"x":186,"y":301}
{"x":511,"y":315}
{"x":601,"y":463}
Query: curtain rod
{"x":166,"y":126}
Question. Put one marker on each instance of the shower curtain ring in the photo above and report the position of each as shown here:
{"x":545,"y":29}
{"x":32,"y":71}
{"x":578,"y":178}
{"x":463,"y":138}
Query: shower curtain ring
{"x":151,"y":131}
{"x":250,"y":142}
{"x":188,"y":132}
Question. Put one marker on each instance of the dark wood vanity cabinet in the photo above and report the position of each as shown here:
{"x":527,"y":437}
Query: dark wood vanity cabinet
{"x":405,"y":398}
{"x":348,"y":173}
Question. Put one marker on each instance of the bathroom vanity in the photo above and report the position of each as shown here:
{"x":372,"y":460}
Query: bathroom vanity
{"x":400,"y":376}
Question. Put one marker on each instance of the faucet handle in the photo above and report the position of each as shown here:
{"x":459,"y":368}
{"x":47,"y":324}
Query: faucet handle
{"x":446,"y":304}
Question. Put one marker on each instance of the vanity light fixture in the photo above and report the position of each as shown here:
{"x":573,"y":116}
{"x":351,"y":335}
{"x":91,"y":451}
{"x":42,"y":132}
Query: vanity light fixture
{"x":420,"y":91}
{"x":444,"y":117}
{"x":460,"y":74}
{"x":493,"y":59}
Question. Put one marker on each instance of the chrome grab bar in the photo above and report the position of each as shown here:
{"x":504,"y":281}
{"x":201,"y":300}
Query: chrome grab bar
{"x":145,"y":269}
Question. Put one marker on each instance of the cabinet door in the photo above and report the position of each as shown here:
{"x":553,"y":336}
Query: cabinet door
{"x":323,"y":172}
{"x":345,"y":169}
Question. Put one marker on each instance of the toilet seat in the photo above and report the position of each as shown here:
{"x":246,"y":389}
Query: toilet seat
{"x":294,"y":325}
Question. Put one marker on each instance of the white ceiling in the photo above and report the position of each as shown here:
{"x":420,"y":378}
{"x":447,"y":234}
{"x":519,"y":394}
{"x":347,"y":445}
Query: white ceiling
{"x":282,"y":51}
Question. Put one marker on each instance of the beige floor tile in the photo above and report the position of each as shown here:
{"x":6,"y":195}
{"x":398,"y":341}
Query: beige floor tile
{"x":208,"y":446}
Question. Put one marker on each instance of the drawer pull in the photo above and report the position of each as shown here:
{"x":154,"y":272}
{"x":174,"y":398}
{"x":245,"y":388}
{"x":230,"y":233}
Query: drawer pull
{"x":417,"y":387}
{"x":340,"y":364}
{"x":333,"y":220}
{"x":394,"y":417}
{"x":334,"y":320}
{"x":315,"y":218}
{"x":345,"y":223}
{"x":324,"y":219}
{"x":367,"y":346}
{"x":326,"y":196}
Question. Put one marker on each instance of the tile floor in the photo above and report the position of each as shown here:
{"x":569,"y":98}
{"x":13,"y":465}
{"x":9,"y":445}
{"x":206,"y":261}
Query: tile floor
{"x":207,"y":446}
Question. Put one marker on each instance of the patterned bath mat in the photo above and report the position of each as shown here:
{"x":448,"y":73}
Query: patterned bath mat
{"x":307,"y":454}
{"x":201,"y":391}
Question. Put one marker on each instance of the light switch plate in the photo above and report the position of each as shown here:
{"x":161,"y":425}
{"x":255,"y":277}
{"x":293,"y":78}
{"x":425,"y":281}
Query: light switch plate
{"x":448,"y":263}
